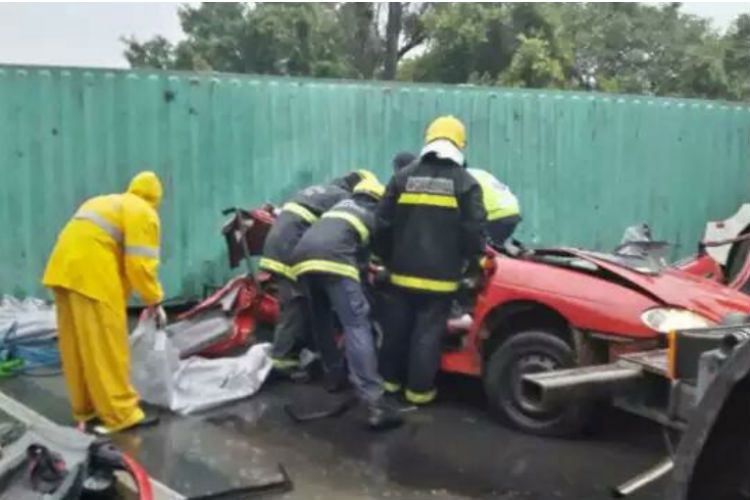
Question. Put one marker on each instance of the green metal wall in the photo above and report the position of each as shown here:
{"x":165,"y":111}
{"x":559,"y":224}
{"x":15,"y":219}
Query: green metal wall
{"x":583,"y":165}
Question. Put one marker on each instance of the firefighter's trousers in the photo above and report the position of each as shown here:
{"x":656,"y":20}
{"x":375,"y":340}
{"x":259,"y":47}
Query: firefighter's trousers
{"x":292,"y":329}
{"x":413,"y":324}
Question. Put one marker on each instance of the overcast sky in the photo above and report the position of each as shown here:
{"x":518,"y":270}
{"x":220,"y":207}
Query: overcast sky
{"x":78,"y":34}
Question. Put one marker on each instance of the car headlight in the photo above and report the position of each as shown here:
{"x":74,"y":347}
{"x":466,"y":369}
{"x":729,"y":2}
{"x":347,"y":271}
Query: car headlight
{"x":666,"y":319}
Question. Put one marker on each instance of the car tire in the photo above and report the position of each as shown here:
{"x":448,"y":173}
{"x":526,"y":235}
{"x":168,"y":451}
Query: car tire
{"x":531,"y":351}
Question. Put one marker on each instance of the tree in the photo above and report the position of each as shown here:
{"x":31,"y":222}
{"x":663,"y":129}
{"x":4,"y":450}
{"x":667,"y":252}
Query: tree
{"x":392,"y":33}
{"x":313,"y":39}
{"x":638,"y":48}
{"x":378,"y":35}
{"x":364,"y":45}
{"x":644,"y":49}
{"x":464,"y":39}
{"x":292,"y":39}
{"x":737,"y":57}
{"x":280,"y":39}
{"x":533,"y":65}
{"x":405,"y":31}
{"x":477,"y":42}
{"x":155,"y":53}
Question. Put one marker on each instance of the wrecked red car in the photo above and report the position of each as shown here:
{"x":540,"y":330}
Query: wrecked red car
{"x":535,"y":310}
{"x":554,"y":308}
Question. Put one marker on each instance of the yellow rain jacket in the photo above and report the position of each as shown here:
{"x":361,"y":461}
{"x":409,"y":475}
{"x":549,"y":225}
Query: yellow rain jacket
{"x":110,"y":246}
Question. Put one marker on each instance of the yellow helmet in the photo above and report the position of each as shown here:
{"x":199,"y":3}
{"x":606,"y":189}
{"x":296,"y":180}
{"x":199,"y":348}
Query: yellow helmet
{"x":446,"y":127}
{"x":371,"y":187}
{"x":147,"y":186}
{"x":366,"y":174}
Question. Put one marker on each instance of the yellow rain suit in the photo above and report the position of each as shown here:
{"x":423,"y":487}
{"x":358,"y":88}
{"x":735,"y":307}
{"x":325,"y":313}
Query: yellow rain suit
{"x":110,"y":246}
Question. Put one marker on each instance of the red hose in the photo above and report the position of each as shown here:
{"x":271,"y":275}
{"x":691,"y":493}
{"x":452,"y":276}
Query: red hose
{"x":138,"y":473}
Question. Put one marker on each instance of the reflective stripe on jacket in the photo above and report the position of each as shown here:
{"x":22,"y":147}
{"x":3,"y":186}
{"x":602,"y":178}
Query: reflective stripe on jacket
{"x":295,"y":218}
{"x":300,"y":211}
{"x":110,"y":246}
{"x":429,"y":223}
{"x":338,"y":242}
{"x":277,"y":267}
{"x":413,"y":282}
{"x":499,"y":201}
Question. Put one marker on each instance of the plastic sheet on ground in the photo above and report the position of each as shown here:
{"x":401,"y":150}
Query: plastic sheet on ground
{"x":193,"y":384}
{"x":28,"y":319}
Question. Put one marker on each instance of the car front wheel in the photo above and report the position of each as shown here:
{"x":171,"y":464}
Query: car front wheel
{"x":531,"y":351}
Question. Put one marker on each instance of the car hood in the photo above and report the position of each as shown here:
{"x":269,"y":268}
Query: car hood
{"x":673,"y":287}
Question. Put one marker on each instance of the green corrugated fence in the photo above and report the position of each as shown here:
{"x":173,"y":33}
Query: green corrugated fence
{"x":583,"y":165}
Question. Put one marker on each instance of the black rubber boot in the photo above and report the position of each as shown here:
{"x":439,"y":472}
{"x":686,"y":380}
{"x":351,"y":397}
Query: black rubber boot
{"x":150,"y":418}
{"x":399,"y":403}
{"x":381,"y":416}
{"x":89,"y":426}
{"x":295,"y":374}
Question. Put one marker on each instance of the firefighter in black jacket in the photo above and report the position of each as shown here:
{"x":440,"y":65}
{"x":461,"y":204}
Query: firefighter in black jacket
{"x":292,"y":329}
{"x":331,"y":263}
{"x":429,"y":228}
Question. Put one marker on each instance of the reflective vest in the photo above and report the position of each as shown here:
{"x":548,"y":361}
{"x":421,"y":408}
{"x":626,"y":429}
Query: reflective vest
{"x":338,"y":243}
{"x":499,"y":201}
{"x":428,"y":224}
{"x":295,"y":218}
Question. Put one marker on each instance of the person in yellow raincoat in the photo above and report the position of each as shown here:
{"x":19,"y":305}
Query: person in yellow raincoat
{"x":110,"y":246}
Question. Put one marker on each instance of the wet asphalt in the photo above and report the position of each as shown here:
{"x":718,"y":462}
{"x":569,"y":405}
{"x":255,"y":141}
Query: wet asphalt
{"x":452,"y":450}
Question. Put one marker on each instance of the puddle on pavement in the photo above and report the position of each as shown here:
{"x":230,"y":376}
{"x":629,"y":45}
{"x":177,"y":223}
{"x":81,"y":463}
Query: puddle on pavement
{"x":450,"y":451}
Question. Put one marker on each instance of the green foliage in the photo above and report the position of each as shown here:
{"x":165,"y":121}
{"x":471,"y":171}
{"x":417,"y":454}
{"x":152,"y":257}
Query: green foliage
{"x":465,"y":40}
{"x":533,"y":65}
{"x":636,"y":48}
{"x":301,"y":39}
{"x":269,"y":38}
{"x":645,"y":49}
{"x":155,"y":53}
{"x":737,"y":57}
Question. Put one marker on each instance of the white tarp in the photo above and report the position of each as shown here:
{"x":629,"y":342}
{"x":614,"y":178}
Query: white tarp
{"x":27,"y":319}
{"x":194,"y":384}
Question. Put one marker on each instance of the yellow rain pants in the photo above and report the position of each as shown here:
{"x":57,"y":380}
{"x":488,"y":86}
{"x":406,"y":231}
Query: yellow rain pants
{"x":93,"y":339}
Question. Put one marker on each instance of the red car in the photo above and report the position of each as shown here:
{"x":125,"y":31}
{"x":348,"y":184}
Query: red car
{"x":535,"y":311}
{"x":556,"y":308}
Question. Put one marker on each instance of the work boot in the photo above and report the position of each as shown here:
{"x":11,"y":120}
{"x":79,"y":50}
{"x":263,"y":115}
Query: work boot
{"x":381,"y":415}
{"x":397,"y":401}
{"x":294,"y":374}
{"x":283,"y":367}
{"x":420,"y":398}
{"x":89,"y":426}
{"x":150,"y":418}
